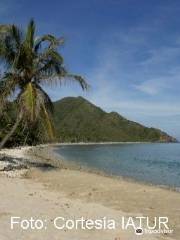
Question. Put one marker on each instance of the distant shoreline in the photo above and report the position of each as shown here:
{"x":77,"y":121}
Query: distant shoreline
{"x":103,"y":143}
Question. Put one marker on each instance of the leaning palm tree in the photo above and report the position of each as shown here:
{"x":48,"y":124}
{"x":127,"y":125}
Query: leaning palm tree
{"x":29,"y":62}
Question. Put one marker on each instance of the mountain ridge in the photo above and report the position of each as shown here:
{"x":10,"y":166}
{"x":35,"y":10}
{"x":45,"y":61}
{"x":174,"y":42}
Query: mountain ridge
{"x":76,"y":119}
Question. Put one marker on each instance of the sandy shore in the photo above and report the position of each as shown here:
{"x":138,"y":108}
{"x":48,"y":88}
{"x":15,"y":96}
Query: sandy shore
{"x":47,"y":193}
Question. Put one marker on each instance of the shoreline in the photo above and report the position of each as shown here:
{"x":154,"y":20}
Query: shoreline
{"x":104,"y":143}
{"x":42,"y":154}
{"x":115,"y":196}
{"x":75,"y":166}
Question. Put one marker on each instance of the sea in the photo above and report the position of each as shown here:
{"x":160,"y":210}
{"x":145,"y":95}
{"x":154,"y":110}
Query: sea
{"x":153,"y":163}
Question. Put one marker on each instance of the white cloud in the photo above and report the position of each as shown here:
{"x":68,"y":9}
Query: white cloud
{"x":148,"y":87}
{"x":162,"y":55}
{"x":149,"y":108}
{"x":115,"y":69}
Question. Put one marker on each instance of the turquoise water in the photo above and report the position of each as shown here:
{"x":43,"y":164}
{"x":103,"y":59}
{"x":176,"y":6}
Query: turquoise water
{"x":154,"y":163}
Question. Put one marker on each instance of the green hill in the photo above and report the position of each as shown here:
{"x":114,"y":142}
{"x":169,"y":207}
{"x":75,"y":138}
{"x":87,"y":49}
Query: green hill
{"x":76,"y":119}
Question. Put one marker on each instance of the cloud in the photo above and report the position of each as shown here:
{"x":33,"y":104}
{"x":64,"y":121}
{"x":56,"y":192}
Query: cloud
{"x":148,"y":87}
{"x":147,"y":108}
{"x":142,"y":90}
{"x":165,"y":84}
{"x":162,"y":55}
{"x":157,"y":86}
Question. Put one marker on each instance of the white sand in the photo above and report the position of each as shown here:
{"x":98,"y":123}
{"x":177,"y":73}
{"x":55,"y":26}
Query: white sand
{"x":73,"y":194}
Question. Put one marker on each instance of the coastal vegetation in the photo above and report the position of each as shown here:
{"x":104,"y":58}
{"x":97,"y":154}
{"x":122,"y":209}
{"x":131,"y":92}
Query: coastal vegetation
{"x":28,"y":63}
{"x":76,"y":119}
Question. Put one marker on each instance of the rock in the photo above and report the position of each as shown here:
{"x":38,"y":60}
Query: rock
{"x":12,"y":167}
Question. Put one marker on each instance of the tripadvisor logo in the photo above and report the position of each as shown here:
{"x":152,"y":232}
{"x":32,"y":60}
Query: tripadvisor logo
{"x":146,"y":225}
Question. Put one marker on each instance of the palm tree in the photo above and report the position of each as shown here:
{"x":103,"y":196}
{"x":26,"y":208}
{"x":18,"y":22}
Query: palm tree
{"x":29,"y":62}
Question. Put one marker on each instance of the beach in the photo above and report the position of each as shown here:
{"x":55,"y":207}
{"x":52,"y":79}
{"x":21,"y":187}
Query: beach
{"x":42,"y":191}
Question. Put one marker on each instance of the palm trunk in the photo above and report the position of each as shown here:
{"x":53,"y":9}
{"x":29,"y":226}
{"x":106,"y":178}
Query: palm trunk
{"x":10,"y":133}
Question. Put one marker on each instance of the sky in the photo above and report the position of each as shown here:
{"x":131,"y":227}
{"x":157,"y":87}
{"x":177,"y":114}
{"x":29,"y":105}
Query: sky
{"x":127,"y":50}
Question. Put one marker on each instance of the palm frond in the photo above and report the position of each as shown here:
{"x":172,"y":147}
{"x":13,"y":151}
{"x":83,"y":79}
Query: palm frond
{"x":29,"y":39}
{"x":43,"y":99}
{"x":54,"y":74}
{"x":45,"y":108}
{"x":10,"y":44}
{"x":27,"y":102}
{"x":51,"y":63}
{"x":37,"y":107}
{"x":50,"y":39}
{"x":77,"y":78}
{"x":52,"y":55}
{"x":4,"y":30}
{"x":8,"y":85}
{"x":47,"y":122}
{"x":16,"y":35}
{"x":7,"y":51}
